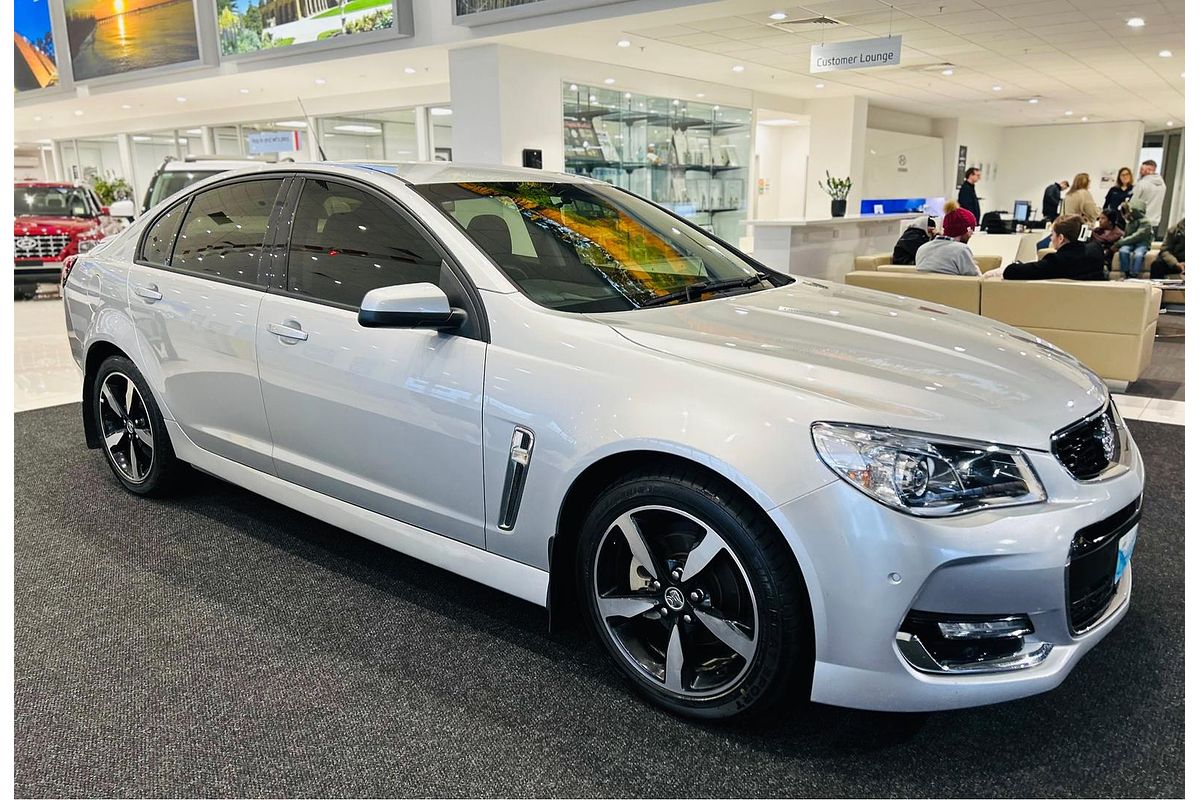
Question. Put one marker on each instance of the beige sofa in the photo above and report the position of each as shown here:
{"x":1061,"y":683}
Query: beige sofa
{"x":1109,"y":326}
{"x":883,"y":261}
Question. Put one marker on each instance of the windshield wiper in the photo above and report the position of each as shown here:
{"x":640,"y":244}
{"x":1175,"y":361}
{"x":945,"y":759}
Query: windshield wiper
{"x":695,"y":290}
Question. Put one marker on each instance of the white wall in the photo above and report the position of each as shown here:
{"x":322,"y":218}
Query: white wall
{"x":886,"y":119}
{"x":919,"y":176}
{"x":1032,"y":157}
{"x":781,"y":154}
{"x":838,"y":144}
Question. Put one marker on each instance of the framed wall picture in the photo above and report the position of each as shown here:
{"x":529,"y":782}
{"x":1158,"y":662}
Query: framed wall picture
{"x":112,"y":37}
{"x":36,"y":66}
{"x":252,"y":26}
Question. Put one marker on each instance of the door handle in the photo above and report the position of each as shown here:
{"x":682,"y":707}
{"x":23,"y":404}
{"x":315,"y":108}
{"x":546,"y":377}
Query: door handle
{"x":289,"y":331}
{"x":150,"y":293}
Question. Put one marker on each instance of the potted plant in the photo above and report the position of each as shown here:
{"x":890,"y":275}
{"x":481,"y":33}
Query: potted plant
{"x":838,"y":190}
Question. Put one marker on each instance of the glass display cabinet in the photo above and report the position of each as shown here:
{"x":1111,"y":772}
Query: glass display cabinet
{"x":687,"y":156}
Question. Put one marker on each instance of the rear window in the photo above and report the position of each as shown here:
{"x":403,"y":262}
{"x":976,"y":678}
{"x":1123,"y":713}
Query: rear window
{"x":166,"y":184}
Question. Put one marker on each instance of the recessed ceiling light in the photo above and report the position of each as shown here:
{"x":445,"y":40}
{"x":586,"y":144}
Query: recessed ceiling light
{"x":574,"y":88}
{"x":778,"y":15}
{"x":997,"y":88}
{"x":699,"y":94}
{"x":1164,"y":53}
{"x":1083,"y":119}
{"x":1170,"y":123}
{"x":181,"y":99}
{"x":37,"y":119}
{"x":1033,"y":101}
{"x":738,"y":68}
{"x":610,"y":81}
{"x":409,"y":71}
{"x":368,"y":129}
{"x":1136,"y":22}
{"x":126,"y":106}
{"x":716,"y":108}
{"x":820,"y":86}
{"x":674,"y":102}
{"x":441,"y":111}
{"x":947,"y":71}
{"x":79,"y":112}
{"x":244,"y":91}
{"x":292,"y":123}
{"x":1069,"y":113}
{"x":320,"y":82}
{"x":628,"y":96}
{"x":193,"y":131}
{"x":624,"y":43}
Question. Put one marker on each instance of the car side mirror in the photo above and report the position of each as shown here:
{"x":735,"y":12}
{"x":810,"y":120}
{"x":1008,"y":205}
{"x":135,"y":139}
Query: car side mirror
{"x":121,"y":208}
{"x":410,"y":305}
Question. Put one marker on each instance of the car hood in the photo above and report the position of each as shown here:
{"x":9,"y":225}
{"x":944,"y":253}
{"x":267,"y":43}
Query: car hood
{"x":871,"y":357}
{"x":38,"y":226}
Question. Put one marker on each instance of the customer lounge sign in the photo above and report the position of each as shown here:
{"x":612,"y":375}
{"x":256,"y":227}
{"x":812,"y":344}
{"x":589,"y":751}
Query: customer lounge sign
{"x":862,"y":54}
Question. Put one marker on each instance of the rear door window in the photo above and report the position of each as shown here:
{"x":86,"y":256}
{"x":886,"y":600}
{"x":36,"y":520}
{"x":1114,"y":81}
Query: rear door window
{"x":160,"y":236}
{"x":224,"y":229}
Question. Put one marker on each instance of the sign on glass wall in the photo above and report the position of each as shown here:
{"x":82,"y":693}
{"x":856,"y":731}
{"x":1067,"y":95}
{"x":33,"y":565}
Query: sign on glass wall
{"x":35,"y":66}
{"x":110,"y":37}
{"x":247,"y":26}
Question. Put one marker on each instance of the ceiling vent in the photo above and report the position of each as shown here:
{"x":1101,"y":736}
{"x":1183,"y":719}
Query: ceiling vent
{"x":789,"y":24}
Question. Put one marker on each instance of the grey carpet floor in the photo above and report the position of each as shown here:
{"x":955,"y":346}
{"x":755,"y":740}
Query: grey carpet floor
{"x":219,"y":644}
{"x":1163,"y":378}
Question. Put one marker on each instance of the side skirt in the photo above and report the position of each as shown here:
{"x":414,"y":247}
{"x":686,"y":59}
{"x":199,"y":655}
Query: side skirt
{"x":512,"y":577}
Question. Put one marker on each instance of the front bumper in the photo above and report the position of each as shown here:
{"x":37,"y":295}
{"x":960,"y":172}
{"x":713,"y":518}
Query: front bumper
{"x":868,"y":566}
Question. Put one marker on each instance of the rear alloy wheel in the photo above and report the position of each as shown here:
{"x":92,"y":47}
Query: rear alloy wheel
{"x":133,"y":435}
{"x":694,"y":597}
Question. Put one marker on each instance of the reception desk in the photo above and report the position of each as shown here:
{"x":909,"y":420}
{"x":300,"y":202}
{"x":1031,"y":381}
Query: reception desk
{"x":824,"y":248}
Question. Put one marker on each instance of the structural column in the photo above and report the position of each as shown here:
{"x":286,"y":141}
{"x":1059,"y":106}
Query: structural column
{"x":505,"y":100}
{"x":838,"y":143}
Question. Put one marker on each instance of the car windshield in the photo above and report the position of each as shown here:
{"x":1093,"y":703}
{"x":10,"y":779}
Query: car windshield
{"x":592,"y":248}
{"x":168,"y":183}
{"x":51,"y":201}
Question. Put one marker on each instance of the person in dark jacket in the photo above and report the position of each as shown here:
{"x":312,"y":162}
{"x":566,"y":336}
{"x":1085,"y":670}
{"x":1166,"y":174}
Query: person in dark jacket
{"x":1107,"y":231}
{"x":1170,"y":255}
{"x":1118,"y":194}
{"x":1052,"y":200}
{"x":966,"y":193}
{"x":1073,"y":259}
{"x":915,"y":235}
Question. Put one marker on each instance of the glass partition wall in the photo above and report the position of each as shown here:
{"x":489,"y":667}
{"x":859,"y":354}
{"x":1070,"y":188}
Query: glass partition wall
{"x":688,"y":156}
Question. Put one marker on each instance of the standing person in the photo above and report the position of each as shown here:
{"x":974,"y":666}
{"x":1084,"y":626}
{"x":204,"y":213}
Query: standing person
{"x":1150,"y":189}
{"x":1071,"y":258}
{"x":1079,"y":200}
{"x":1138,"y":236}
{"x":1170,"y":257}
{"x":1052,"y":199}
{"x":948,"y":254}
{"x":916,"y":234}
{"x":967,"y":198}
{"x":1121,"y":192}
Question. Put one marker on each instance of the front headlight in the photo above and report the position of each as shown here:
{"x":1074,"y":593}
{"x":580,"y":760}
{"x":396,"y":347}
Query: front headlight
{"x":925,"y":475}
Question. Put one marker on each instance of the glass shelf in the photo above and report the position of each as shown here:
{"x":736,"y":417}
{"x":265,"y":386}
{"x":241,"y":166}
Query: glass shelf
{"x":689,"y":157}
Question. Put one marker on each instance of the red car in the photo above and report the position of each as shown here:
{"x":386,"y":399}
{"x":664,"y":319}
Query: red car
{"x":53,"y":221}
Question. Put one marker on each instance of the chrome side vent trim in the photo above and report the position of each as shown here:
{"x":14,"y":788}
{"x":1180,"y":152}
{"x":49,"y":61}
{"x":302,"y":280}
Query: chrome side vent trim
{"x":519,"y":454}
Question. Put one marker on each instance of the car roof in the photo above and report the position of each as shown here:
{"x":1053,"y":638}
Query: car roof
{"x":419,"y":172}
{"x":207,"y":164}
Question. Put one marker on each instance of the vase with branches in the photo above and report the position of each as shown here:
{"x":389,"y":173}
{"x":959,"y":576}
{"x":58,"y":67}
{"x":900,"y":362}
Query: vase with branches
{"x":838,"y":190}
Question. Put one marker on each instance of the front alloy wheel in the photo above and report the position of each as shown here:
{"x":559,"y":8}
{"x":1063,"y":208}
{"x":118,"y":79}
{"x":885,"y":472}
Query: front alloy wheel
{"x":696,"y":595}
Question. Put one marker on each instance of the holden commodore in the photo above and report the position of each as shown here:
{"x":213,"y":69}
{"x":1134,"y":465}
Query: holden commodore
{"x":755,"y":488}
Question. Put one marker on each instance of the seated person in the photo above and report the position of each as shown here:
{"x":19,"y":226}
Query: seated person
{"x":1080,"y":261}
{"x":948,"y":254}
{"x":1107,"y":231}
{"x":1139,"y":235}
{"x":916,"y":234}
{"x":1170,"y":256}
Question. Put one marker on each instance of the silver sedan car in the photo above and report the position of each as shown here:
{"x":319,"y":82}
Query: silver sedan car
{"x":756,"y":489}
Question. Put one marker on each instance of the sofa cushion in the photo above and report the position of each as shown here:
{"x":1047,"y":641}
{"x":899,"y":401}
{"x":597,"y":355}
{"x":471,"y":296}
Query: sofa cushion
{"x":872,"y":261}
{"x":956,"y":291}
{"x":1085,"y":306}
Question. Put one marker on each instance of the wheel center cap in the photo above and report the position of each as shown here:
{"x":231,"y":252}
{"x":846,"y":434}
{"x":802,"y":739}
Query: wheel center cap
{"x":129,"y":427}
{"x":673,"y":598}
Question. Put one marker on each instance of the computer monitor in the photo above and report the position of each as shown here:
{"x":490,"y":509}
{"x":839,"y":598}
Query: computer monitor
{"x":1021,"y":212}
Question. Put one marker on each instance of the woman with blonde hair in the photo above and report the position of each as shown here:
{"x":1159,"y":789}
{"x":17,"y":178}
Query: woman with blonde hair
{"x":1079,"y":200}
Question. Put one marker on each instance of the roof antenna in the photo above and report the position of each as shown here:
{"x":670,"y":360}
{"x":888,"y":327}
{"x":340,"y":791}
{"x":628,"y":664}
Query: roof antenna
{"x":316,"y":135}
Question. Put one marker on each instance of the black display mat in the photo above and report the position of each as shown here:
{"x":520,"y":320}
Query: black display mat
{"x":220,"y":644}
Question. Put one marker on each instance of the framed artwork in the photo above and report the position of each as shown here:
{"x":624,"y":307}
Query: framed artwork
{"x":112,"y":37}
{"x":36,"y":66}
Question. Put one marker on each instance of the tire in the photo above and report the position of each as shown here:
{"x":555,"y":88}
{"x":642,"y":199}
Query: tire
{"x":736,"y":636}
{"x":135,"y":443}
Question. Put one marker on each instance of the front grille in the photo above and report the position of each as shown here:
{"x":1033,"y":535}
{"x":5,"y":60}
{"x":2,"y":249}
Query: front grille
{"x":1090,"y":446}
{"x":1093,"y":566}
{"x":47,"y":246}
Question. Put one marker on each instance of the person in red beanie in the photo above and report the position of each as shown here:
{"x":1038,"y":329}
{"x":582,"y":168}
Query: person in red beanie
{"x":948,"y":254}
